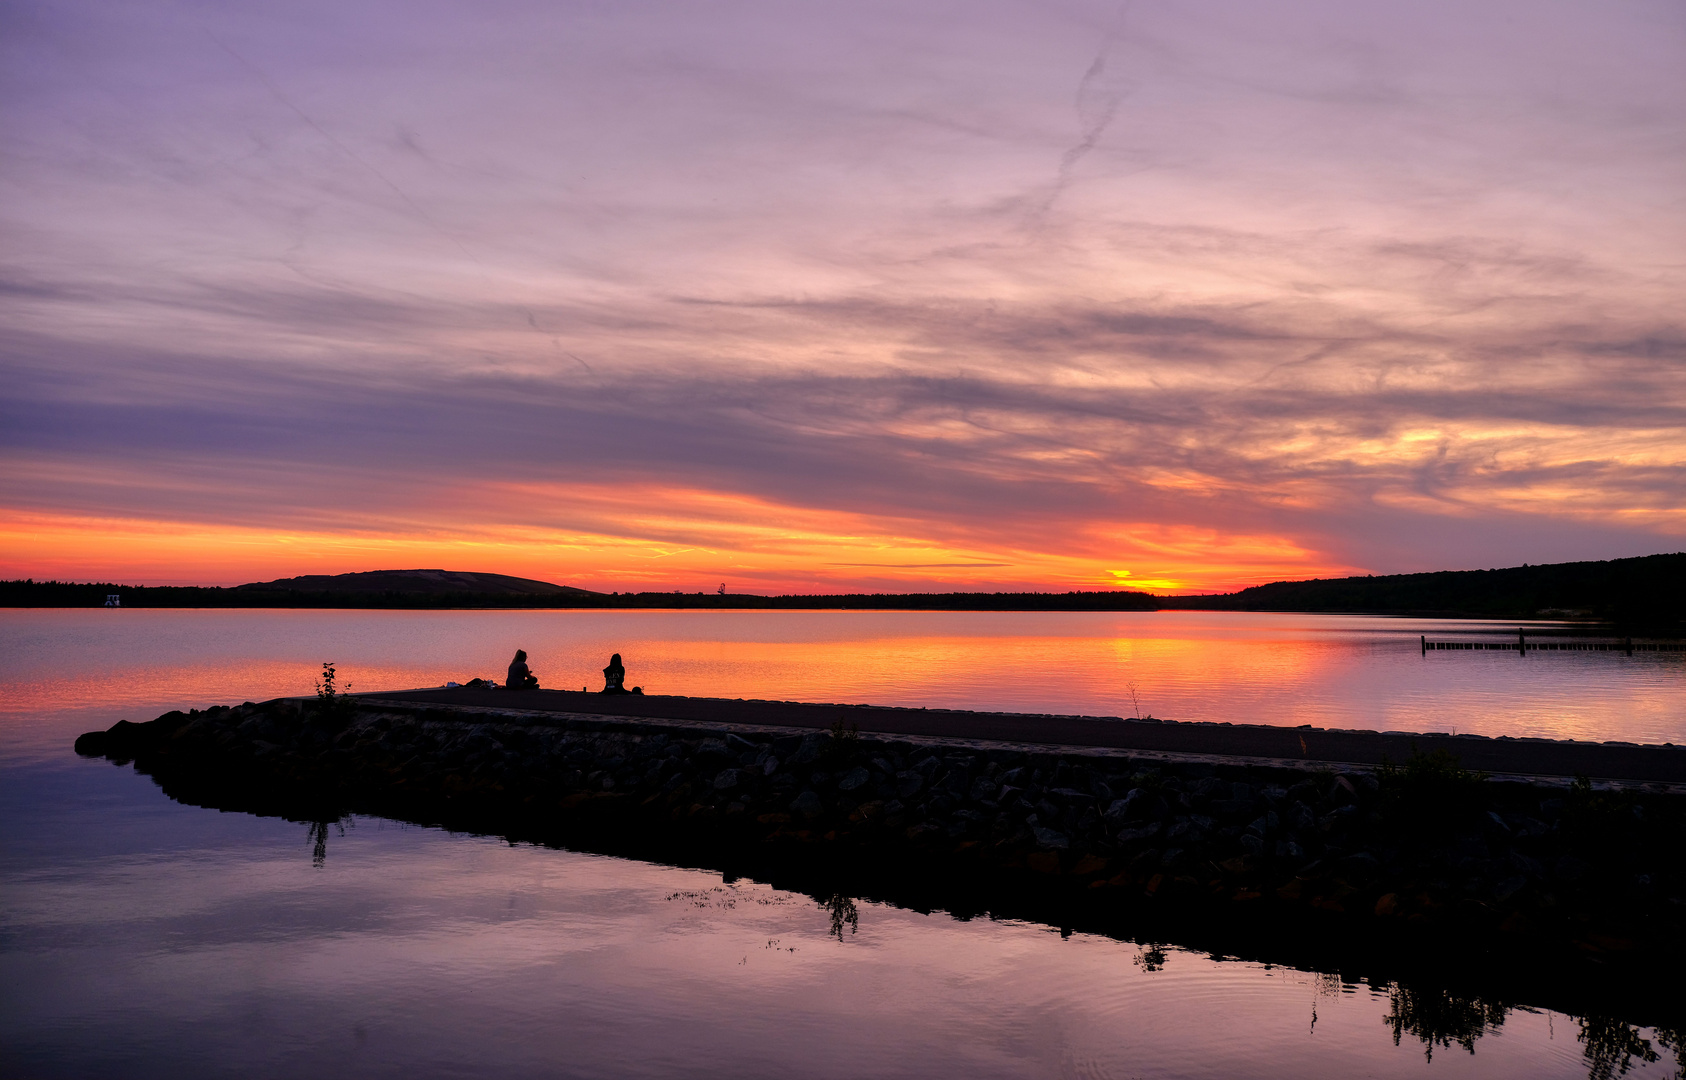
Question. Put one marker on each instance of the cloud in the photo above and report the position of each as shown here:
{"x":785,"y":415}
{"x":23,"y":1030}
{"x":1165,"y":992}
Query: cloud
{"x":1357,"y":289}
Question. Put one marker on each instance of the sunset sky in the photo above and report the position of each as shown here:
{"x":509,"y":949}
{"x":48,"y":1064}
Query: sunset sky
{"x":819,"y":297}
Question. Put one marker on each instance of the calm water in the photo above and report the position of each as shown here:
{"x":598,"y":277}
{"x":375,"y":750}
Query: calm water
{"x":139,"y":937}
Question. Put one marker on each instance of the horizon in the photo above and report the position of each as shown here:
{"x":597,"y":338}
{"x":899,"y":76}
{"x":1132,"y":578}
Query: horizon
{"x":1179,"y":299}
{"x":728,"y":592}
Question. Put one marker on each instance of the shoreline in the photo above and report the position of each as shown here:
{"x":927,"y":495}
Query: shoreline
{"x":1557,"y":890}
{"x":1645,"y":592}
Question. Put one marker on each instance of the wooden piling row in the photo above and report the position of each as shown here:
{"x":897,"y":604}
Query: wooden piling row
{"x":1522,"y":645}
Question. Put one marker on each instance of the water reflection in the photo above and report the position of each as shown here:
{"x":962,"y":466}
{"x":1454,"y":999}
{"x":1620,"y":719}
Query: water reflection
{"x":139,"y":936}
{"x":1440,"y":1018}
{"x":1436,"y":1016}
{"x":843,"y":913}
{"x":424,"y":950}
{"x":1151,"y":957}
{"x":1338,"y":671}
{"x":1612,"y":1047}
{"x":318,"y":833}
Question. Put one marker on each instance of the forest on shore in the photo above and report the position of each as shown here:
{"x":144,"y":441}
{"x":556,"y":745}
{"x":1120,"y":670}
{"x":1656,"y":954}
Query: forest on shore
{"x":1649,"y":591}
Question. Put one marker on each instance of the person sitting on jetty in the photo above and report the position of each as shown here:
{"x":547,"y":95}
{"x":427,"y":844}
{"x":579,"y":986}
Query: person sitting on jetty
{"x":614,"y":678}
{"x":520,"y":678}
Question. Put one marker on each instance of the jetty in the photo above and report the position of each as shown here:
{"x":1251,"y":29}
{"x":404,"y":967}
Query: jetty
{"x":1233,"y":743}
{"x":1544,"y":863}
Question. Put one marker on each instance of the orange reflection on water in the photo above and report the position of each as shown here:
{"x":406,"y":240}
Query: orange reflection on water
{"x":1330,"y":671}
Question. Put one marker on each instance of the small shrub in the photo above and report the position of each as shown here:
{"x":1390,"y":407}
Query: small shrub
{"x":844,"y":742}
{"x":1433,"y":789}
{"x":331,"y":700}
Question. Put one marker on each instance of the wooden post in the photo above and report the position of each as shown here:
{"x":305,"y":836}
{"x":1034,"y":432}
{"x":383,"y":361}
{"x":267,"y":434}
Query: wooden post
{"x":1521,"y":643}
{"x":1425,"y":644}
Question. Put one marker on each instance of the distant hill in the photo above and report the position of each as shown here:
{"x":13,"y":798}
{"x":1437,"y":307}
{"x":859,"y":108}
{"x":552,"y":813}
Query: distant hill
{"x":425,"y":582}
{"x":1648,"y":591}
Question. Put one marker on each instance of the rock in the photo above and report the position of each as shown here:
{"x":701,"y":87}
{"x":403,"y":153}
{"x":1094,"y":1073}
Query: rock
{"x":807,"y":804}
{"x":1569,"y":868}
{"x":1138,"y":833}
{"x":92,"y":744}
{"x":1509,"y":887}
{"x":1051,"y":839}
{"x":868,"y":811}
{"x":771,"y":766}
{"x":726,"y":780}
{"x":1043,"y":862}
{"x":1089,"y":864}
{"x":1470,"y":847}
{"x":908,"y":784}
{"x":983,"y":788}
{"x":1145,"y":860}
{"x":856,"y":777}
{"x":1251,"y":844}
{"x":1336,"y":816}
{"x":1361,"y":863}
{"x":808,"y":751}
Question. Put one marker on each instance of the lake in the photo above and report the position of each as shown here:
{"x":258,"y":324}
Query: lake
{"x":141,"y":937}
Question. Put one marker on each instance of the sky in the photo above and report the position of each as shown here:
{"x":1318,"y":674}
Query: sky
{"x":807,"y":297}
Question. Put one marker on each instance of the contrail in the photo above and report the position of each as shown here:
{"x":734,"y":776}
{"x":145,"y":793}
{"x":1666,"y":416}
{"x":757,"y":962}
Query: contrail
{"x":1097,"y":103}
{"x":340,"y":146}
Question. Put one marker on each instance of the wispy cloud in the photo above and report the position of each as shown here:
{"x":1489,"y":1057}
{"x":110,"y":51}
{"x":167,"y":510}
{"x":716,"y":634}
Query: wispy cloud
{"x":1333,"y":292}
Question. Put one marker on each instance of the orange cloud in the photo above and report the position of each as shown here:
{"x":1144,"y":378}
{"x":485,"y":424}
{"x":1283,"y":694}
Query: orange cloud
{"x":658,"y":539}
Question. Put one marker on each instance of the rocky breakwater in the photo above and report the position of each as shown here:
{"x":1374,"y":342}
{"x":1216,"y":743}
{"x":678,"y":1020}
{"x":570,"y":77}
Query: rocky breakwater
{"x":1420,"y":852}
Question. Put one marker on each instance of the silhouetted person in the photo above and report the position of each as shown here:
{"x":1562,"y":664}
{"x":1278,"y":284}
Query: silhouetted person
{"x":519,"y":677}
{"x":614,"y":678}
